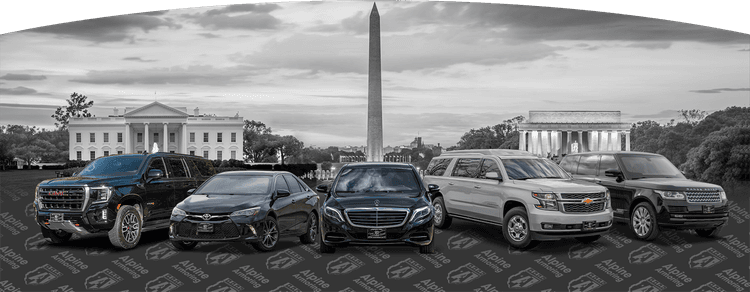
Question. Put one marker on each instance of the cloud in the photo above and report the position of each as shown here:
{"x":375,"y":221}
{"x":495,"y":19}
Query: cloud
{"x":20,"y":90}
{"x":651,"y":45}
{"x":154,"y":13}
{"x":719,"y":90}
{"x":31,"y":106}
{"x":660,"y":115}
{"x":138,"y":59}
{"x":240,"y":16}
{"x":209,"y":35}
{"x":744,"y":50}
{"x":194,"y":75}
{"x":22,"y":77}
{"x":107,"y":29}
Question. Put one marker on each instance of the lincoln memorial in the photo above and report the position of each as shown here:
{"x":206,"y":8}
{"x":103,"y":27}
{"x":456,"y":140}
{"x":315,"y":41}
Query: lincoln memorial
{"x":563,"y":132}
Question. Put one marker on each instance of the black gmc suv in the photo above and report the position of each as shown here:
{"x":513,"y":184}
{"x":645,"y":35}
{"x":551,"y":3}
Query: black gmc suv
{"x":122,"y":195}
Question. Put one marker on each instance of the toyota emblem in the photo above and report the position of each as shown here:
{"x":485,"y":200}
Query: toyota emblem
{"x":206,"y":216}
{"x":377,"y":202}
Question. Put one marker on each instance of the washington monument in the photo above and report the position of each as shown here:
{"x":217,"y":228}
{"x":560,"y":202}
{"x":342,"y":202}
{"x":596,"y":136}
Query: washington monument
{"x":374,"y":93}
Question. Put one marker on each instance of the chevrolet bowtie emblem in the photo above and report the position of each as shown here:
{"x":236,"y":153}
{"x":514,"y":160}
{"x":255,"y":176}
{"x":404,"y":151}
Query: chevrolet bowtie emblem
{"x":587,"y":201}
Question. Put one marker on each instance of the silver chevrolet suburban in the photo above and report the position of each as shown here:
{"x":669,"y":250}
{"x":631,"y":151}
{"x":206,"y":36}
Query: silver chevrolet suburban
{"x":530,"y":198}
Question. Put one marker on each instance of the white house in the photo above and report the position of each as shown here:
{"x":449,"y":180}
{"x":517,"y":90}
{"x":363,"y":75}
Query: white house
{"x":171,"y":128}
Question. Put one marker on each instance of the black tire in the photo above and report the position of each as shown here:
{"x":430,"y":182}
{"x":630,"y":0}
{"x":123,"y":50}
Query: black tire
{"x":643,"y":222}
{"x":709,"y":232}
{"x":269,"y":236}
{"x":127,"y":230}
{"x":324,"y":248}
{"x":518,"y":221}
{"x":428,"y":249}
{"x":442,"y":219}
{"x":588,"y":239}
{"x":184,"y":245}
{"x":312,"y":229}
{"x":57,"y":236}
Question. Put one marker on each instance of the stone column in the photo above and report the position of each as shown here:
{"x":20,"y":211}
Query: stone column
{"x":618,"y":141}
{"x":534,"y":140}
{"x":521,"y":140}
{"x":165,"y":145}
{"x":627,"y":141}
{"x":126,"y":139}
{"x":145,"y":138}
{"x":599,"y":138}
{"x":185,"y":135}
{"x":567,"y":145}
{"x":580,"y":142}
{"x":560,"y":143}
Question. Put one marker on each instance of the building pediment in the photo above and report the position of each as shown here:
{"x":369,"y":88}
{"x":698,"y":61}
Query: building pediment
{"x":155,"y":109}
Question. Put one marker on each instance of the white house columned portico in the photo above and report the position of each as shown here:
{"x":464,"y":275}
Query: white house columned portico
{"x":171,"y":128}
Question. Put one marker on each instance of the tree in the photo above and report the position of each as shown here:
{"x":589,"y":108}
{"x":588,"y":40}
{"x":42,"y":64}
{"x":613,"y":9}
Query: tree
{"x":256,"y":142}
{"x":77,"y":107}
{"x":722,"y":157}
{"x":503,"y":135}
{"x":693,"y":116}
{"x":289,"y":148}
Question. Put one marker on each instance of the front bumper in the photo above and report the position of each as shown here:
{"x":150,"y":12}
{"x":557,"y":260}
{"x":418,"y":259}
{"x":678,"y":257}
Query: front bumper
{"x":552,"y":225}
{"x":341,"y":234}
{"x":245,"y":229}
{"x":92,"y":220}
{"x":684,"y":215}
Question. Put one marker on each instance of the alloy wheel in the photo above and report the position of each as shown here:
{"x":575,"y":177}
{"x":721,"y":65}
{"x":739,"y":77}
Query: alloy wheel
{"x":313,"y":226}
{"x":641,"y":221}
{"x":517,"y":228}
{"x":438,"y":213}
{"x":130,"y":228}
{"x":270,"y":234}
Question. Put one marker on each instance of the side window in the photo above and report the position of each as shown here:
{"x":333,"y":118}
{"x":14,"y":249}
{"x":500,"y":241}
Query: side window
{"x":437,"y":166}
{"x":570,"y":163}
{"x":467,"y":167}
{"x":588,"y":165}
{"x":608,"y":162}
{"x":281,"y":184}
{"x":489,"y":165}
{"x":292,"y":183}
{"x":157,"y":163}
{"x":178,"y":169}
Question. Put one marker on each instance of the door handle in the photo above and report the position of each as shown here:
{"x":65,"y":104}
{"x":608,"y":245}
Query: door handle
{"x":477,"y":187}
{"x":450,"y":183}
{"x":598,"y":181}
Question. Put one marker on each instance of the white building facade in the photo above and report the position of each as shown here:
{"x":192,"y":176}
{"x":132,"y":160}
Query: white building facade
{"x":171,"y":128}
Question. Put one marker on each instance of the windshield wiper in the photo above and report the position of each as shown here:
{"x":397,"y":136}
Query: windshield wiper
{"x":388,"y":191}
{"x":344,"y":191}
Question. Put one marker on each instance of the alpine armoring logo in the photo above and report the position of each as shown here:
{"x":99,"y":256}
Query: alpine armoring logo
{"x":585,"y":283}
{"x":42,"y":275}
{"x":160,"y":251}
{"x":464,"y":240}
{"x":709,"y":287}
{"x":226,"y":285}
{"x":404,"y":269}
{"x":647,"y":285}
{"x":525,"y":279}
{"x":706,"y":259}
{"x":102,"y":280}
{"x":286,"y":287}
{"x":283,"y":260}
{"x":97,"y":251}
{"x":344,"y":264}
{"x":465,"y":274}
{"x":223,"y":255}
{"x":646,"y":254}
{"x":30,"y":210}
{"x":36,"y":242}
{"x":585,"y":251}
{"x":163,"y":283}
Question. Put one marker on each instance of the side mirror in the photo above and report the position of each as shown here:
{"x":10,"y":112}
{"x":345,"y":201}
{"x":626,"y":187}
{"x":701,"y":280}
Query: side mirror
{"x":155,"y":174}
{"x":433,"y":188}
{"x":614,"y":173}
{"x":322,"y":188}
{"x":492,"y":175}
{"x":282,"y":193}
{"x":74,"y":174}
{"x":190,"y":192}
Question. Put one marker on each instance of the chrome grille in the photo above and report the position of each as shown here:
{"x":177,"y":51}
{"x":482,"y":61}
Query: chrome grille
{"x":581,"y":196}
{"x":703,"y":197}
{"x":376,"y":217}
{"x":583,"y":208}
{"x":62,"y":198}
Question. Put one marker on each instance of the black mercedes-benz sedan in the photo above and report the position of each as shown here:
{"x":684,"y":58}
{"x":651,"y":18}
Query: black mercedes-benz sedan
{"x":250,"y":206}
{"x":377,"y":203}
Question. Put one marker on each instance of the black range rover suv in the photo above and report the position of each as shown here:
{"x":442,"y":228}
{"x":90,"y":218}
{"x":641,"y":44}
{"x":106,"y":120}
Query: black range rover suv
{"x":650,"y":193}
{"x":122,"y":195}
{"x":377,"y":203}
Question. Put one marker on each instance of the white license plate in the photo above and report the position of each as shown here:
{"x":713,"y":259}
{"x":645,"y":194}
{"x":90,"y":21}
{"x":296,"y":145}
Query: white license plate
{"x":205,"y":227}
{"x":376,"y":233}
{"x":588,"y":225}
{"x":56,"y":217}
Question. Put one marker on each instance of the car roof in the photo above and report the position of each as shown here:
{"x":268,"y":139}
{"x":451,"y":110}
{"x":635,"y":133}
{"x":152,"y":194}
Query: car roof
{"x":614,"y":153}
{"x":157,"y":154}
{"x":505,"y":153}
{"x":253,"y":172}
{"x":378,"y":164}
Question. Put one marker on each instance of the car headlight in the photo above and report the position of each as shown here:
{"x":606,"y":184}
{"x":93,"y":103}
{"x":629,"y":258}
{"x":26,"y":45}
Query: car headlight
{"x":547,"y":201}
{"x":608,"y":204}
{"x":333,"y":214}
{"x":178,"y":212}
{"x":100,"y":194}
{"x":723,"y":195}
{"x":420,"y":213}
{"x":36,"y":194}
{"x":671,"y":195}
{"x":246,"y":212}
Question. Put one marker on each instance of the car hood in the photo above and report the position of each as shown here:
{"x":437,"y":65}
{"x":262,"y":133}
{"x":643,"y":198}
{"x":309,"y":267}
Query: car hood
{"x":220,"y":203}
{"x":671,"y":184}
{"x":383,"y":201}
{"x":86,"y":180}
{"x":558,"y":186}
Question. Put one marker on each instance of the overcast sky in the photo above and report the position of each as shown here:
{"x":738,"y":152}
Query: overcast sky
{"x":301,"y":67}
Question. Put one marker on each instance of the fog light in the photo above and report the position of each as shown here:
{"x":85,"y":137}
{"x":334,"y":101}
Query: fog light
{"x":252,"y":229}
{"x":677,"y":215}
{"x":547,"y":226}
{"x":104,"y":215}
{"x":171,"y":228}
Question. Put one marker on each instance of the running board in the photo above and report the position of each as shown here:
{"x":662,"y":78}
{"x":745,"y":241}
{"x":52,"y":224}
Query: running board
{"x":477,"y":220}
{"x":156,"y":224}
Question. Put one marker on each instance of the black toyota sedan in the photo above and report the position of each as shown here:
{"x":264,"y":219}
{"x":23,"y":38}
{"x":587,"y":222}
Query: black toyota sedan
{"x":250,"y":206}
{"x":377,"y":203}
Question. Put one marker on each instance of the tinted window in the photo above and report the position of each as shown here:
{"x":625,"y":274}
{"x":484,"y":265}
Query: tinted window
{"x":437,"y":167}
{"x":157,"y":163}
{"x":384,"y":181}
{"x":205,"y":168}
{"x":489,"y":165}
{"x":111,"y":166}
{"x":649,"y":166}
{"x":236,"y":185}
{"x":570,"y":163}
{"x":467,"y":167}
{"x":292,"y":183}
{"x":178,"y":169}
{"x":522,"y":169}
{"x":607,"y":162}
{"x":281,"y":184}
{"x":588,"y":165}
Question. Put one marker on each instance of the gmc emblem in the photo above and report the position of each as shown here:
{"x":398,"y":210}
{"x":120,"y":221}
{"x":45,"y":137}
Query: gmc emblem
{"x":57,"y":193}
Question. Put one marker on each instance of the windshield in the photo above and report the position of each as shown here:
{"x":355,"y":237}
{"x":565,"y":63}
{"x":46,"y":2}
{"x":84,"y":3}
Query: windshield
{"x":235,"y":185}
{"x":358,"y":181}
{"x":113,"y":166}
{"x":530,"y":168}
{"x":648,"y":166}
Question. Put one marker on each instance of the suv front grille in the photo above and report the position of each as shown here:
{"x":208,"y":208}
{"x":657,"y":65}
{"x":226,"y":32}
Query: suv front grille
{"x":62,"y":198}
{"x":583,"y":208}
{"x":221,"y":231}
{"x":703,"y":197}
{"x":376,"y":217}
{"x":581,"y":196}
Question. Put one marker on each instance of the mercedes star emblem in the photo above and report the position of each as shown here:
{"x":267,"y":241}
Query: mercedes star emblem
{"x":377,"y":202}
